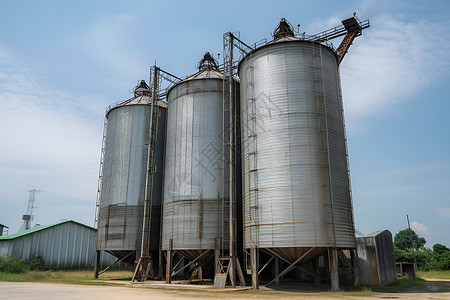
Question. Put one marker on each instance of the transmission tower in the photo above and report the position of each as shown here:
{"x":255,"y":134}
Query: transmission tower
{"x":28,"y":216}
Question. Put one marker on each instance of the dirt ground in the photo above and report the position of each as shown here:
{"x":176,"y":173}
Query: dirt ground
{"x":430,"y":289}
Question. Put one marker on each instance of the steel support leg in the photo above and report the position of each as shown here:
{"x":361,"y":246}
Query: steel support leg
{"x":254,"y":263}
{"x":216,"y":255}
{"x":315,"y":263}
{"x":169,"y":260}
{"x":96,"y":264}
{"x":355,"y":267}
{"x":276,"y":263}
{"x":334,"y":271}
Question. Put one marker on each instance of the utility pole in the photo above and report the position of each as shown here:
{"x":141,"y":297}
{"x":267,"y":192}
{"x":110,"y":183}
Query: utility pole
{"x":27,"y":217}
{"x":412,"y":245}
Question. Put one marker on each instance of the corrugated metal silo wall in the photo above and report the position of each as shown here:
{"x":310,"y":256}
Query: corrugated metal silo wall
{"x":193,"y":187}
{"x":123,"y":180}
{"x":284,"y":145}
{"x":66,"y":246}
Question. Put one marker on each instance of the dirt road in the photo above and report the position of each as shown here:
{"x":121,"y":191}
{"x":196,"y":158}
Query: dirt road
{"x":431,"y":289}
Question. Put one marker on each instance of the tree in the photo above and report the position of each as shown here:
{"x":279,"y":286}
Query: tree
{"x":402,"y":240}
{"x":441,"y":257}
{"x":439,"y":249}
{"x":403,"y":251}
{"x":443,"y":262}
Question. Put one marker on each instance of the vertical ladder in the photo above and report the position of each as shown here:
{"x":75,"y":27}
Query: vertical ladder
{"x":100,"y":172}
{"x":223,"y":267}
{"x":226,"y":205}
{"x":144,"y":267}
{"x":251,"y":165}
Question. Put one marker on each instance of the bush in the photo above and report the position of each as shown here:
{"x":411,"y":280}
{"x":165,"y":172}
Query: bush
{"x":12,"y":264}
{"x":36,"y":263}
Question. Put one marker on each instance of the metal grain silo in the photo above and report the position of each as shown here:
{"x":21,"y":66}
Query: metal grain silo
{"x":123,"y":181}
{"x":194,"y":175}
{"x":296,"y":191}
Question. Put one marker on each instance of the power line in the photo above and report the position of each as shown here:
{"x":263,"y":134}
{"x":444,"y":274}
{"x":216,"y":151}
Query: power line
{"x":64,"y":210}
{"x":66,"y":198}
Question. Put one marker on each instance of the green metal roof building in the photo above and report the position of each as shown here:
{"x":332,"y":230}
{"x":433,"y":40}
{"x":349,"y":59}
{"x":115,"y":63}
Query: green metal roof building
{"x":64,"y":245}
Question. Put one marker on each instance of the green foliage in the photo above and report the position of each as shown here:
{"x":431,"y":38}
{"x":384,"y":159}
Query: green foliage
{"x":440,"y":249}
{"x":443,"y":262}
{"x":426,"y":259}
{"x":423,"y":256}
{"x":12,"y":264}
{"x":441,"y":257}
{"x":402,"y":240}
{"x":36,"y":263}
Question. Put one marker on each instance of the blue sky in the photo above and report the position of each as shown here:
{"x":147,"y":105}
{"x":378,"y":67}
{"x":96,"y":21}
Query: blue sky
{"x":62,"y":63}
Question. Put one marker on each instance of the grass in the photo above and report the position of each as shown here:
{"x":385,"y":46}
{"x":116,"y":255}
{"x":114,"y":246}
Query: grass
{"x":75,"y":276}
{"x":401,"y":285}
{"x":434,"y":274}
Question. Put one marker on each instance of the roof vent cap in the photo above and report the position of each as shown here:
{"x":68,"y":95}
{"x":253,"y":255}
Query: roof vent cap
{"x":207,"y":63}
{"x":142,"y":89}
{"x":283,"y":29}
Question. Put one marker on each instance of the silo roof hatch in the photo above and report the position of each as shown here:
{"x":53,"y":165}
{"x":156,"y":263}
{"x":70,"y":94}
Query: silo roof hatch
{"x":283,"y":29}
{"x":207,"y":63}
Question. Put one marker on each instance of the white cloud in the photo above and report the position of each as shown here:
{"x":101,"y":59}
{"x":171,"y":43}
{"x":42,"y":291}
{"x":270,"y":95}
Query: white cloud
{"x":443,"y":212}
{"x":419,"y":228}
{"x":392,"y":61}
{"x":113,"y":41}
{"x":50,"y":139}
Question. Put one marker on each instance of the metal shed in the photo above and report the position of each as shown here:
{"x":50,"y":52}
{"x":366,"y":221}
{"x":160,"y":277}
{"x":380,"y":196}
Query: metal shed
{"x":376,"y":259}
{"x":64,"y":245}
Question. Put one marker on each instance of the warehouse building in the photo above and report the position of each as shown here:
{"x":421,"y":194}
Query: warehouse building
{"x":64,"y":245}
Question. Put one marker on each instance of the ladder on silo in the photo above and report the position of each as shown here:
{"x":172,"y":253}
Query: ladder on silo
{"x":250,"y":164}
{"x":226,"y":151}
{"x":324,"y":145}
{"x":230,"y":134}
{"x":144,"y":267}
{"x":100,"y":172}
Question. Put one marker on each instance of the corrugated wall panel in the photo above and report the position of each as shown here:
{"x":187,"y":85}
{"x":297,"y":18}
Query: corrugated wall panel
{"x":66,"y":246}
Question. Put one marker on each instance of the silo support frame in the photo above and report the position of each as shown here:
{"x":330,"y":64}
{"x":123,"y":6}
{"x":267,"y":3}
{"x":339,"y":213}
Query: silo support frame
{"x":276,"y":268}
{"x":254,"y":264}
{"x":97,"y":272}
{"x":334,"y":268}
{"x":169,"y":261}
{"x":187,"y":265}
{"x":315,"y":265}
{"x":355,"y":270}
{"x":290,"y":267}
{"x":97,"y":263}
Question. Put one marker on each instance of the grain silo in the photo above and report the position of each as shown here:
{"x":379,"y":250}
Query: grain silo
{"x":194,"y":193}
{"x":296,"y":191}
{"x":124,"y":176}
